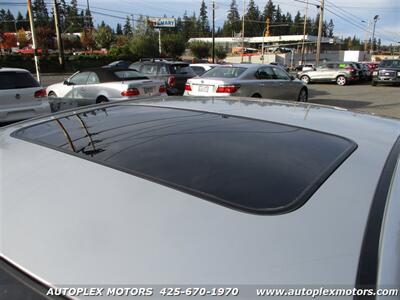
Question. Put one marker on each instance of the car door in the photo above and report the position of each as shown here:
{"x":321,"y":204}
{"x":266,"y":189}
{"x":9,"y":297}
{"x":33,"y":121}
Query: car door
{"x":287,"y":89}
{"x":92,"y":88}
{"x":320,"y":73}
{"x":78,"y":83}
{"x":266,"y":83}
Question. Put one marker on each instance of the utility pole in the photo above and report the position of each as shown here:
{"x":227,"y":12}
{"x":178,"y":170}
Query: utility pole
{"x":304,"y":34}
{"x":159,"y":42}
{"x":373,"y":35}
{"x":58,"y":33}
{"x":34,"y":40}
{"x":213,"y":31}
{"x":321,"y":24}
{"x":244,"y":11}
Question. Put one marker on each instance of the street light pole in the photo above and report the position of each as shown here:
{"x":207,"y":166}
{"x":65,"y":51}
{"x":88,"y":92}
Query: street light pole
{"x":213,"y":31}
{"x":376,"y":18}
{"x":58,"y":34}
{"x":304,"y":34}
{"x":321,"y":24}
{"x":244,"y":11}
{"x":34,"y":46}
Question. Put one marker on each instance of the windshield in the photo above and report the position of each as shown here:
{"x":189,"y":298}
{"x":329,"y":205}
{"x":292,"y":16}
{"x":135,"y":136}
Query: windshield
{"x":225,"y":72}
{"x":390,"y":64}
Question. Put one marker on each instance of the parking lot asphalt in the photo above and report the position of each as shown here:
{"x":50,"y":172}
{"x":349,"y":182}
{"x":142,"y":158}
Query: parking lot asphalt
{"x":380,"y":100}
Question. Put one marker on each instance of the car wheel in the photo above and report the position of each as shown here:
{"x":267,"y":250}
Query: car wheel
{"x":305,"y":79}
{"x":374,"y":83}
{"x":303,"y":95}
{"x":101,"y":99}
{"x":256,"y":95}
{"x":341,"y":80}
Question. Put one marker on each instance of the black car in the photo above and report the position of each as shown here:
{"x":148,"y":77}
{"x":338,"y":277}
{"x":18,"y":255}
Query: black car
{"x":174,"y":73}
{"x":387,"y":72}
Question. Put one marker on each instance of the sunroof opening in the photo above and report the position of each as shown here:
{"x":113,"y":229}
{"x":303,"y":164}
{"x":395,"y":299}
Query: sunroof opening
{"x":250,"y":165}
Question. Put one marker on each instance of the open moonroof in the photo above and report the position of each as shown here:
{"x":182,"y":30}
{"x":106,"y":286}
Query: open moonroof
{"x":250,"y":165}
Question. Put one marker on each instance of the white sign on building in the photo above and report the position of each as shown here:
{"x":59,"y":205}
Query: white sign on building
{"x":162,"y":22}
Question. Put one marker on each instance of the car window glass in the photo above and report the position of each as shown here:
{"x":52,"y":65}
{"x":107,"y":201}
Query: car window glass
{"x":225,"y":72}
{"x":198,"y":70}
{"x":17,"y":80}
{"x":93,"y":78}
{"x":80,"y":78}
{"x":180,"y":68}
{"x":280,"y":74}
{"x":129,"y":74}
{"x":149,"y":69}
{"x":266,"y":73}
{"x":163,"y":70}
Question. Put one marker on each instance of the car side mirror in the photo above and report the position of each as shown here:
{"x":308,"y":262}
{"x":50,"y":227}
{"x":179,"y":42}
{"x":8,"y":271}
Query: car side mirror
{"x":292,"y":77}
{"x":66,"y":82}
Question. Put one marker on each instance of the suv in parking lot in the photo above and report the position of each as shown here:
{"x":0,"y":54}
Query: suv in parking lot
{"x":388,"y":72}
{"x":339,"y":72}
{"x":174,"y":73}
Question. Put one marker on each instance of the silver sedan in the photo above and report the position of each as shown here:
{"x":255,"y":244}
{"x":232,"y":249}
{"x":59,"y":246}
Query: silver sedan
{"x":248,"y":80}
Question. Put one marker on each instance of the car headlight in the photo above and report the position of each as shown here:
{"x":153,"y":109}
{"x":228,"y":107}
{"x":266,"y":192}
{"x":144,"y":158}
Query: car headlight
{"x":398,"y":74}
{"x":374,"y":73}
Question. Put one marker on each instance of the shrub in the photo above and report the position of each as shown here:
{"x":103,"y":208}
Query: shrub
{"x":200,"y":49}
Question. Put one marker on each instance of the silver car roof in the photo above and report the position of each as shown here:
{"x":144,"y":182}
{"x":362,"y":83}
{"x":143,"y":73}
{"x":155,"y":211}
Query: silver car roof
{"x":68,"y":220}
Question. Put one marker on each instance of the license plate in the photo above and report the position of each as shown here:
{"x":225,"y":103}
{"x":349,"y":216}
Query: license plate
{"x":203,"y":88}
{"x":148,"y":90}
{"x":387,"y":74}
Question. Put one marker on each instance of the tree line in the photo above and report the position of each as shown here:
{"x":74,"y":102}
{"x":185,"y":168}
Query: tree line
{"x":78,"y":19}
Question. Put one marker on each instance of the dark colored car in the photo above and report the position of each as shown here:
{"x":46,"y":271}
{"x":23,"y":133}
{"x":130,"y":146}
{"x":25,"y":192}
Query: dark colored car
{"x":174,"y":73}
{"x":388,"y":72}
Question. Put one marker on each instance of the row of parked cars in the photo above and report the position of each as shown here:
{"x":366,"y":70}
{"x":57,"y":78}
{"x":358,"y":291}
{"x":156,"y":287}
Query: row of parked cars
{"x":188,"y":191}
{"x":123,"y":80}
{"x":387,"y":72}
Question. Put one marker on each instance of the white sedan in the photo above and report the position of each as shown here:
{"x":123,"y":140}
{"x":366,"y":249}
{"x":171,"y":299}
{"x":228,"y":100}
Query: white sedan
{"x":107,"y":84}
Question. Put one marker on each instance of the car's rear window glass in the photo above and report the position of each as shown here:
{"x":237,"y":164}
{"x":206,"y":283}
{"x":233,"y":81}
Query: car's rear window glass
{"x":130,"y":75}
{"x":17,"y":80}
{"x":180,"y":69}
{"x":246,"y":164}
{"x":224,"y":72}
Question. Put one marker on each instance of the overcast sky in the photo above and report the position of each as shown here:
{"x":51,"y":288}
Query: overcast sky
{"x":346,"y":14}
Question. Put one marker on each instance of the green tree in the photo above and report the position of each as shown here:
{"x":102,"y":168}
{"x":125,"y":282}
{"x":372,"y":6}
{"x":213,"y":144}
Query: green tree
{"x":200,"y":49}
{"x":220,"y":52}
{"x":145,"y":45}
{"x":330,"y":29}
{"x":127,"y":30}
{"x":119,"y":31}
{"x":73,"y":20}
{"x":232,"y":24}
{"x":40,"y":13}
{"x":253,"y":22}
{"x":21,"y":23}
{"x":173,"y":45}
{"x":203,"y":24}
{"x":269,"y":12}
{"x":104,"y":36}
